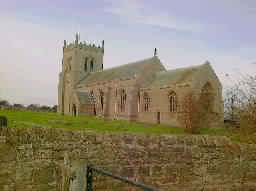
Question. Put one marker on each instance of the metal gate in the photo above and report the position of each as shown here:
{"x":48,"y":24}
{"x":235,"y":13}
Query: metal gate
{"x":92,"y":170}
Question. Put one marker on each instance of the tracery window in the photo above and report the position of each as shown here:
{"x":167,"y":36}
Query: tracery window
{"x":123,"y":100}
{"x":92,"y":98}
{"x":172,"y":101}
{"x":146,"y":100}
{"x":207,"y":97}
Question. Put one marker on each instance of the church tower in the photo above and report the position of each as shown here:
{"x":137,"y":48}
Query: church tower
{"x":79,"y":60}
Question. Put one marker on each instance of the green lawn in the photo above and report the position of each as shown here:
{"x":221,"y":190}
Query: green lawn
{"x":26,"y":119}
{"x":23,"y":119}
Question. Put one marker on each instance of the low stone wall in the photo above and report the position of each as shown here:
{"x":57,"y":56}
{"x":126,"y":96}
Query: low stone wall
{"x":40,"y":159}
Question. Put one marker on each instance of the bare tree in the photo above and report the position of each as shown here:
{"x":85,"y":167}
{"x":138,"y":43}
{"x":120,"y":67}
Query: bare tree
{"x":240,"y":103}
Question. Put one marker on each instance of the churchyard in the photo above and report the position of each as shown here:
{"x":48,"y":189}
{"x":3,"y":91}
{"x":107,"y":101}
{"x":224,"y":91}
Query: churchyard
{"x":31,"y":119}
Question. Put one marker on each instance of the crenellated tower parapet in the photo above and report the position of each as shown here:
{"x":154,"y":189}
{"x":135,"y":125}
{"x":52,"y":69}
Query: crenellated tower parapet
{"x":83,"y":46}
{"x":79,"y":60}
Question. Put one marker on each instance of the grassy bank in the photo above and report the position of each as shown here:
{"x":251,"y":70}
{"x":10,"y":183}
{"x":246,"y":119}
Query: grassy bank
{"x":24,"y":119}
{"x":27,"y":119}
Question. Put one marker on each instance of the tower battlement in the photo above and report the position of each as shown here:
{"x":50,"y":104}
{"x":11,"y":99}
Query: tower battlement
{"x":82,"y":45}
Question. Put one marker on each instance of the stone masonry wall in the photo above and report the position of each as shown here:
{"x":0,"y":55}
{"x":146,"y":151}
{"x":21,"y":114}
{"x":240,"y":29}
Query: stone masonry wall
{"x":40,"y":159}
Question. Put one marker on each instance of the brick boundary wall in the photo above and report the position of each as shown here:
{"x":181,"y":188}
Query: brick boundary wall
{"x":48,"y":159}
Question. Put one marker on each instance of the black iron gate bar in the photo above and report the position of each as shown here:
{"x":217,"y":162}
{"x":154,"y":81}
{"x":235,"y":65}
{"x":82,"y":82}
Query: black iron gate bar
{"x":90,"y":170}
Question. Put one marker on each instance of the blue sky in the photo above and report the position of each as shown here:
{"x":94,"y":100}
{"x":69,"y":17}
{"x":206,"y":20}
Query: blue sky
{"x":185,"y":33}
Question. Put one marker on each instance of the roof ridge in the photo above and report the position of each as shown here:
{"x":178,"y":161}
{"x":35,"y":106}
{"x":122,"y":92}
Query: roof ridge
{"x":187,"y":67}
{"x":136,"y":62}
{"x":176,"y":75}
{"x":120,"y":66}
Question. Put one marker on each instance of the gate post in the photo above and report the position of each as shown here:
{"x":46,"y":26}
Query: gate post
{"x":3,"y":121}
{"x":89,"y":179}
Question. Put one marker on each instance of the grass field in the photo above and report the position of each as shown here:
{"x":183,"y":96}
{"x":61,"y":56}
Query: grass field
{"x":27,"y":119}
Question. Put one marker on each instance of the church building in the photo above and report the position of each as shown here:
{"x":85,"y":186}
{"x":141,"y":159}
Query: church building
{"x":142,"y":91}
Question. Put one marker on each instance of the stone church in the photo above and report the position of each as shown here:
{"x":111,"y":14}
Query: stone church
{"x":142,"y":91}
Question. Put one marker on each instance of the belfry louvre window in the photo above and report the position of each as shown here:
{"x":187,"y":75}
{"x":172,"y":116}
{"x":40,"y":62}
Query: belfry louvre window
{"x":172,"y":102}
{"x":123,"y":100}
{"x":146,"y":100}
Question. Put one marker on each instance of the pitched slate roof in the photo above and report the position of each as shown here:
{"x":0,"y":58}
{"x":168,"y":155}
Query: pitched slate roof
{"x":175,"y":76}
{"x":150,"y":65}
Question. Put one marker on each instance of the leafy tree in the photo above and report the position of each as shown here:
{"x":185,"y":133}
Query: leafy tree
{"x":54,"y":108}
{"x":17,"y":105}
{"x":45,"y":108}
{"x":4,"y":103}
{"x":33,"y":107}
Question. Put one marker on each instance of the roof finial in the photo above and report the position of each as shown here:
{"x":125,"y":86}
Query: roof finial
{"x":155,"y":52}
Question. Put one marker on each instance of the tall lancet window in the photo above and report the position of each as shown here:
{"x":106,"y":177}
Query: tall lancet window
{"x":146,"y":100}
{"x":123,"y":100}
{"x":172,"y":102}
{"x":138,"y":102}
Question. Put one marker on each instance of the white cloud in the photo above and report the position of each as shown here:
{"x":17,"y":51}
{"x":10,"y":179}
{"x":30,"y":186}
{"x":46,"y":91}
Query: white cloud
{"x":137,"y":11}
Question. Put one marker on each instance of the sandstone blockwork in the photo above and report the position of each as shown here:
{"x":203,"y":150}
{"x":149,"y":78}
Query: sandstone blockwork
{"x":143,"y":91}
{"x":39,"y":159}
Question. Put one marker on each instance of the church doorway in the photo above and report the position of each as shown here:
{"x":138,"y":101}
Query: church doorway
{"x":158,"y":117}
{"x":94,"y":110}
{"x":74,"y":110}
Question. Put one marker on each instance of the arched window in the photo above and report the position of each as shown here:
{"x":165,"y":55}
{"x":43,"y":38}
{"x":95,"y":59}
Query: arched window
{"x":91,"y":65}
{"x":123,"y":100}
{"x":207,"y":97}
{"x":146,"y":100}
{"x":91,"y":97}
{"x":138,"y":101}
{"x":92,"y":101}
{"x":85,"y":64}
{"x":172,"y":102}
{"x":207,"y":88}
